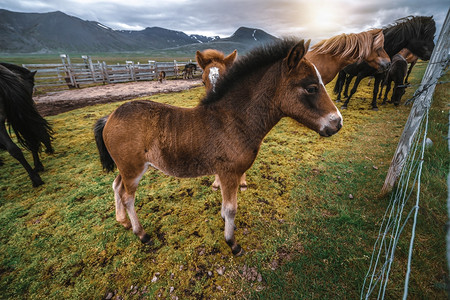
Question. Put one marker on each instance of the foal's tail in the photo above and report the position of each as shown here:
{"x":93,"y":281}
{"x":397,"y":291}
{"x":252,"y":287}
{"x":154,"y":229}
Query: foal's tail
{"x":105,"y":158}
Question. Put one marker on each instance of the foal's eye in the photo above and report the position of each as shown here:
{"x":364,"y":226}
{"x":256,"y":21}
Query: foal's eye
{"x":312,"y":89}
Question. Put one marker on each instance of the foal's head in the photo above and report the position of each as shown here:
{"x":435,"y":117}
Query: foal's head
{"x":214,"y":64}
{"x":303,"y":96}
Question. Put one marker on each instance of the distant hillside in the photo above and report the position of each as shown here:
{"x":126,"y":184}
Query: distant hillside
{"x":56,"y":32}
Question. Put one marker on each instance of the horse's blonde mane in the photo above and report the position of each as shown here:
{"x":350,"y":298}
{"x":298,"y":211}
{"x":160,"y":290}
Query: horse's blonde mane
{"x":354,"y":45}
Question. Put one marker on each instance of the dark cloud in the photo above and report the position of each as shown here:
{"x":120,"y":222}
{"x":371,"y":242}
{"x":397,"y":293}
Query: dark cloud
{"x":310,"y":19}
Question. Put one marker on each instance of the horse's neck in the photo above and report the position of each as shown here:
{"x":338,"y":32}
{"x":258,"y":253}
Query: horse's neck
{"x":393,"y":44}
{"x":250,"y":104}
{"x":328,"y":65}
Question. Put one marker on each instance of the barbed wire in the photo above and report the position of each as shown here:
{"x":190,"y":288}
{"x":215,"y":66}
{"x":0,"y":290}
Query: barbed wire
{"x":424,"y":87}
{"x":394,"y":221}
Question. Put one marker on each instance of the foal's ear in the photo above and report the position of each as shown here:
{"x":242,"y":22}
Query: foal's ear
{"x":229,"y":60}
{"x":296,"y":54}
{"x":200,"y":59}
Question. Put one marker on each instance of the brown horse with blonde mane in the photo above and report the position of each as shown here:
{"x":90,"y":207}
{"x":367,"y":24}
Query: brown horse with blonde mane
{"x":332,"y":55}
{"x":221,"y":135}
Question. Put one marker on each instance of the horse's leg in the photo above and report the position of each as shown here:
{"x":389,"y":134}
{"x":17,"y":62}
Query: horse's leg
{"x":127,"y":190}
{"x":216,"y":184}
{"x":15,"y":152}
{"x":376,"y":86}
{"x":242,"y":183}
{"x":38,"y":166}
{"x":348,"y":80}
{"x":388,"y":89}
{"x":355,"y":87}
{"x":121,"y":214}
{"x":409,"y":71}
{"x":229,"y":186}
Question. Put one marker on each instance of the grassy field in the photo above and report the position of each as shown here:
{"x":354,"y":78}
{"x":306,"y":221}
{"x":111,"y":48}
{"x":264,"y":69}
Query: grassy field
{"x":307,"y":222}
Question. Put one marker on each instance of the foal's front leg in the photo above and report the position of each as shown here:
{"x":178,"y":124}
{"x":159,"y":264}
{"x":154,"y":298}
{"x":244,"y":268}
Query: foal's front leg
{"x":229,"y":185}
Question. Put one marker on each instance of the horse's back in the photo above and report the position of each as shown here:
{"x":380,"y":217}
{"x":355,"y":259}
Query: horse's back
{"x":171,"y":139}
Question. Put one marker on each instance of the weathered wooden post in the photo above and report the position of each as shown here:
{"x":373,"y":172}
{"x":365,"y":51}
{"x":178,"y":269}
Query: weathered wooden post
{"x":130,"y":67}
{"x":88,"y":62}
{"x":105,"y":72}
{"x":70,"y":78}
{"x":438,"y":61}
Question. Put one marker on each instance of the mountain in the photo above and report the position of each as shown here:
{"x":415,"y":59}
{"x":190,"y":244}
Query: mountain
{"x":56,"y":32}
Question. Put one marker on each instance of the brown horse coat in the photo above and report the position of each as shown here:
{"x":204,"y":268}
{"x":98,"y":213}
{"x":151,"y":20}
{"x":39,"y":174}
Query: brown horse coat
{"x":221,"y":135}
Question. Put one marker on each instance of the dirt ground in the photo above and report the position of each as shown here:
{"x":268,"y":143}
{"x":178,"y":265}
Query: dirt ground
{"x":54,"y":103}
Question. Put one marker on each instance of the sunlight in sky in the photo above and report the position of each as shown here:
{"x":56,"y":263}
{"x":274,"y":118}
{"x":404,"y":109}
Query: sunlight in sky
{"x":323,"y":16}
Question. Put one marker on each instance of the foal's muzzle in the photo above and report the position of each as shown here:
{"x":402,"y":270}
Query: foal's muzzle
{"x":333,"y":125}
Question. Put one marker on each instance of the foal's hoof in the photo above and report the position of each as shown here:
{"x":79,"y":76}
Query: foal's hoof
{"x":238,"y":251}
{"x":146,"y":240}
{"x":338,"y":100}
{"x":344,"y":107}
{"x":375,"y":108}
{"x":243,"y":187}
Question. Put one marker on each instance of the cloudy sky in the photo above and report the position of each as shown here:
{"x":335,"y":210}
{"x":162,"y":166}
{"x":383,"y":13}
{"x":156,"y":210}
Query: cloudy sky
{"x":315,"y":19}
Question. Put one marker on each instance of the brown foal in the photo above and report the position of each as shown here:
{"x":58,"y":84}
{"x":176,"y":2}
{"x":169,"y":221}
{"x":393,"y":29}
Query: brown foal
{"x":222,"y":135}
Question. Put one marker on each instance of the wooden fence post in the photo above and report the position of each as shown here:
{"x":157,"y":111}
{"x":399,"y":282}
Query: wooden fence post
{"x":105,"y":72}
{"x":68,"y":68}
{"x":88,"y":61}
{"x":438,"y":62}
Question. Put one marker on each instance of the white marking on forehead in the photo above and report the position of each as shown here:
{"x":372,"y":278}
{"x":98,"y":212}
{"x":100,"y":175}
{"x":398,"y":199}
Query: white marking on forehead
{"x":318,"y":75}
{"x":213,"y":76}
{"x":325,"y":121}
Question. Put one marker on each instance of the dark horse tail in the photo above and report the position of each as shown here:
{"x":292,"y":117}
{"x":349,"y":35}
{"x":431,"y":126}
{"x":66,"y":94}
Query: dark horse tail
{"x":30,"y":127}
{"x":105,"y":158}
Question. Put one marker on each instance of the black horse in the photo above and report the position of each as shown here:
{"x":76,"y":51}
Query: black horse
{"x":17,"y":109}
{"x":414,"y":33}
{"x":396,"y":74}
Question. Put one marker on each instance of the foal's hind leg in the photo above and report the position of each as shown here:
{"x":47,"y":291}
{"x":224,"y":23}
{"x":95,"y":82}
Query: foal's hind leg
{"x":126,"y":192}
{"x":229,"y":185}
{"x":121,"y":214}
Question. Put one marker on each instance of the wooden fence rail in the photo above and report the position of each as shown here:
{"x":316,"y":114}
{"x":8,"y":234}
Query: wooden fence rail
{"x":88,"y":72}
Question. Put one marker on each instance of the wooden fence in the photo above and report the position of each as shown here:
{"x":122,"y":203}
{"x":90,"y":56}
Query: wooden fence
{"x":88,"y":72}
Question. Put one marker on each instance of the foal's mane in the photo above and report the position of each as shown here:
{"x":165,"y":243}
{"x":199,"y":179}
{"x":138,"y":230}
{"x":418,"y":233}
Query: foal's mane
{"x":213,"y":55}
{"x":406,"y":28}
{"x":257,"y":59}
{"x":354,"y":45}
